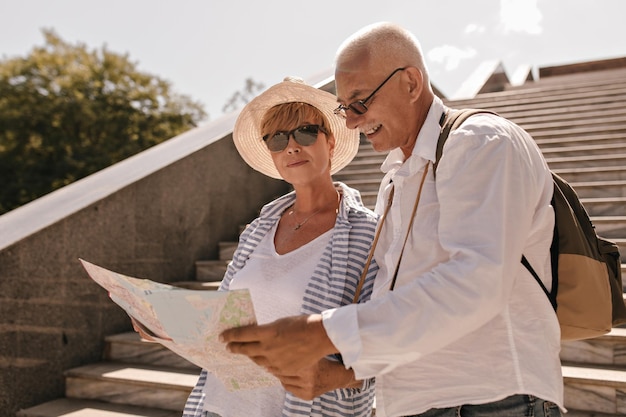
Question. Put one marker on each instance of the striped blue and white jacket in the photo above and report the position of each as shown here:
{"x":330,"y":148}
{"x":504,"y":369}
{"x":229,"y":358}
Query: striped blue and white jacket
{"x":332,"y":284}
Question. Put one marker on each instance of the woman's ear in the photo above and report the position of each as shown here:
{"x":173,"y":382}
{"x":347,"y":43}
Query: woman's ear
{"x":331,"y":144}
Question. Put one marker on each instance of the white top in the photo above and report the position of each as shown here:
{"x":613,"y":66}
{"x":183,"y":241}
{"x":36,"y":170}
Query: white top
{"x":466,"y":322}
{"x":277,"y":284}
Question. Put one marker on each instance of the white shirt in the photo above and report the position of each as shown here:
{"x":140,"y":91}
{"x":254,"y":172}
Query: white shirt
{"x":466,"y":322}
{"x":276,"y":282}
{"x":277,"y":286}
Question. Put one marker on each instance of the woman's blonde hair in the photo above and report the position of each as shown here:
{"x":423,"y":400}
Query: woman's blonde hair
{"x":287,"y":116}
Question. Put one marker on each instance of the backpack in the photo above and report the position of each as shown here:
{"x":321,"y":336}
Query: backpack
{"x":587,"y":292}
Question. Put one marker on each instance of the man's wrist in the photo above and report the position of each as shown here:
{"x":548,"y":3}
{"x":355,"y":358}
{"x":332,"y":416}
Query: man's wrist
{"x":315,"y":328}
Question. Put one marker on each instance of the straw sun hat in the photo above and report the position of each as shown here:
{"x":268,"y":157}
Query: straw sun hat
{"x":247,"y":132}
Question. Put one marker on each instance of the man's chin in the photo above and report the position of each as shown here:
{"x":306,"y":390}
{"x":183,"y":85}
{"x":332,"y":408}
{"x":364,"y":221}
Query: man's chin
{"x":378,"y":146}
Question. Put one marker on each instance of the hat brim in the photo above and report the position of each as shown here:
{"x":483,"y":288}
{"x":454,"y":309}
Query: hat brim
{"x":247,"y":132}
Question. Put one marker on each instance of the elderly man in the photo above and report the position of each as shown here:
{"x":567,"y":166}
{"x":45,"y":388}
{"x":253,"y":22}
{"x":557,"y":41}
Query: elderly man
{"x":456,"y":325}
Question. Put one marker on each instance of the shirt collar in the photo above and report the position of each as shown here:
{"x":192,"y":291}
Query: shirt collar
{"x":351,"y":200}
{"x":426,"y":144}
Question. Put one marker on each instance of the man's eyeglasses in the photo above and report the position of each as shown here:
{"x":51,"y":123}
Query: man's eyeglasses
{"x":304,"y":135}
{"x":359,"y":107}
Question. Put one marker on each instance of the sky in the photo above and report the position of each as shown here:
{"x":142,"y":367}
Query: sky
{"x":208,"y":48}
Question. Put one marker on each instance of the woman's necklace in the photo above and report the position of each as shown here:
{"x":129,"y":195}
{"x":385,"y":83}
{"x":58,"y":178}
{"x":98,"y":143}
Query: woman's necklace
{"x":300,"y":224}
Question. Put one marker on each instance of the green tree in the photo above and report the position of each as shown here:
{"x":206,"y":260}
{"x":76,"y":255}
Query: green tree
{"x":66,"y":112}
{"x":240,"y":98}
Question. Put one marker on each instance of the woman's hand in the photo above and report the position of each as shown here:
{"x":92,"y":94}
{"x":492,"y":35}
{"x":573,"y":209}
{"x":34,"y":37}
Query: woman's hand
{"x":144,"y":332}
{"x":324,"y":376}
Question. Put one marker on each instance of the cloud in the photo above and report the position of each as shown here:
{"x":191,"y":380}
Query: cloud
{"x":474,"y":28}
{"x":520,"y":16}
{"x":450,"y":56}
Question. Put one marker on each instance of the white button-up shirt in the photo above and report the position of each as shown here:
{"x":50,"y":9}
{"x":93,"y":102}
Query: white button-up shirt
{"x":466,"y":323}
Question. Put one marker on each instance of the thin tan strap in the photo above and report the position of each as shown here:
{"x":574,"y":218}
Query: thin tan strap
{"x":380,"y":226}
{"x":371,"y":254}
{"x":417,"y":200}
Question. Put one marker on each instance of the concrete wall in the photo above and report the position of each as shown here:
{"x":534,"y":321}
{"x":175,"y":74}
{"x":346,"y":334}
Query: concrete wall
{"x":150,"y":216}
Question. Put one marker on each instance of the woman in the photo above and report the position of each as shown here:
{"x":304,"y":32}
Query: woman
{"x":307,"y":249}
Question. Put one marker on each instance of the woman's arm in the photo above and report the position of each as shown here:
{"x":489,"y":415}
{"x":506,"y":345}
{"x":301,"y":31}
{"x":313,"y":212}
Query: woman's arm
{"x":325,"y":376}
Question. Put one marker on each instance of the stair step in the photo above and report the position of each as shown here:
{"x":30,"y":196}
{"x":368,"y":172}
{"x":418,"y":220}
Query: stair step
{"x":66,"y":407}
{"x":610,"y":226}
{"x":581,"y":112}
{"x":595,"y":389}
{"x":605,"y":350}
{"x":358,"y":173}
{"x":621,"y":244}
{"x":226,"y":250}
{"x":597,"y":173}
{"x":580,"y":121}
{"x":199,"y":285}
{"x":605,"y":206}
{"x":363,"y":184}
{"x":585,"y":150}
{"x":212,"y":271}
{"x":563,"y":132}
{"x":365,"y":162}
{"x":596,"y":189}
{"x":132,"y":384}
{"x":130,"y":348}
{"x":586,"y":161}
{"x":596,"y":138}
{"x":579,"y":413}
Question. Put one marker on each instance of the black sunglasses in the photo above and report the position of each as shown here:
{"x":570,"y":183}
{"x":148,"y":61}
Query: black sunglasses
{"x":359,"y":107}
{"x":304,"y":135}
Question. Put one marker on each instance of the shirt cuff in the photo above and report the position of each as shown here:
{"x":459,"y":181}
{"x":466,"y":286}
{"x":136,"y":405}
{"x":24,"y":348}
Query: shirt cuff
{"x":341,"y":325}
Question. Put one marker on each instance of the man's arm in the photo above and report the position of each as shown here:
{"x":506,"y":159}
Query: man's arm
{"x":285,"y":346}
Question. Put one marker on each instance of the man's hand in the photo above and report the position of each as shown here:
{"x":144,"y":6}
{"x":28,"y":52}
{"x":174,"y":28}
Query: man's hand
{"x":314,"y":381}
{"x":284,"y":346}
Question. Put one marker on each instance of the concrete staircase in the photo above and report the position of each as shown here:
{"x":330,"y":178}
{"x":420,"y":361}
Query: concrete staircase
{"x":578,"y":120}
{"x":136,"y":378}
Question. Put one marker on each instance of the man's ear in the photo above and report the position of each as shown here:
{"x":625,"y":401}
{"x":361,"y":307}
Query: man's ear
{"x":416,"y":82}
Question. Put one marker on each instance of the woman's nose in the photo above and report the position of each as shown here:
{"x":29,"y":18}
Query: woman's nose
{"x":292,"y":145}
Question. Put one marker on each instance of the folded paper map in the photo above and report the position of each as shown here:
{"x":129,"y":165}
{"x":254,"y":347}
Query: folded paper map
{"x":188,"y":322}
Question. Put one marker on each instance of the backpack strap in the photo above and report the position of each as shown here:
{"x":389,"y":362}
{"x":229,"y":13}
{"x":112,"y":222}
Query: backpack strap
{"x":551,"y":295}
{"x":450,"y":120}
